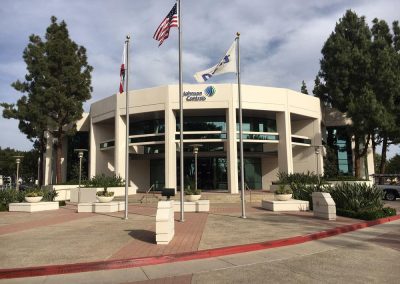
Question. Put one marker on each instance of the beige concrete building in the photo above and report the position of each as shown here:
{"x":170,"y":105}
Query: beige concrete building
{"x":280,"y":129}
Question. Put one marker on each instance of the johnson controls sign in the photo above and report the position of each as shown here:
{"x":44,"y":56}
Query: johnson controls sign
{"x":199,"y":95}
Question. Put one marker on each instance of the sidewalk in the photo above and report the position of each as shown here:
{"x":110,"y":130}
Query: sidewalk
{"x":66,"y":237}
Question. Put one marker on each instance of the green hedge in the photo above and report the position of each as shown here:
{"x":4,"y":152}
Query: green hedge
{"x":368,"y":214}
{"x":355,"y":200}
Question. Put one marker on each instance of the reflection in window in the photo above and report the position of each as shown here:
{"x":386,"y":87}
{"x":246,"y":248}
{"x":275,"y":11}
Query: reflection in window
{"x":202,"y":123}
{"x":339,"y":154}
{"x":258,"y":124}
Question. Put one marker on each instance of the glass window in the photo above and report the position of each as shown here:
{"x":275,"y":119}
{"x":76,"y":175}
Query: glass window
{"x":202,"y":123}
{"x":258,"y":124}
{"x":339,"y":153}
{"x":147,"y":127}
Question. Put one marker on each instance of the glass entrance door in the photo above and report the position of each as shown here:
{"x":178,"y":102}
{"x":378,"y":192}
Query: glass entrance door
{"x":211,"y":172}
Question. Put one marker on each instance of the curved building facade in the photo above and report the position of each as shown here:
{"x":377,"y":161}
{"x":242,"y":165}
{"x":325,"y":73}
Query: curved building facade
{"x":280,"y":128}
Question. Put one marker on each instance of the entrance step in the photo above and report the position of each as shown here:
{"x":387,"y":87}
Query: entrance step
{"x":255,"y":196}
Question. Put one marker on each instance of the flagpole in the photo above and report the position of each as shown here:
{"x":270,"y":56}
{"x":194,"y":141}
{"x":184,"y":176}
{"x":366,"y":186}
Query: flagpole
{"x":240,"y":129}
{"x":127,"y":127}
{"x":182,"y":219}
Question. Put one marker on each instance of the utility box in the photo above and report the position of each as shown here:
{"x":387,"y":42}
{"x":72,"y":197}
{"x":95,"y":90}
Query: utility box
{"x":324,"y":206}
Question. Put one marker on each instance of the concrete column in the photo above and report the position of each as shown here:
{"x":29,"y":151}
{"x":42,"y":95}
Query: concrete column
{"x":48,"y":157}
{"x":170,"y":147}
{"x":231,"y":152}
{"x":285,"y":156}
{"x":318,"y":141}
{"x":93,"y":150}
{"x":64,"y":159}
{"x":370,"y":163}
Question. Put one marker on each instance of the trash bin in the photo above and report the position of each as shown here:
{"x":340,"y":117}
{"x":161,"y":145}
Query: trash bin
{"x":168,"y":192}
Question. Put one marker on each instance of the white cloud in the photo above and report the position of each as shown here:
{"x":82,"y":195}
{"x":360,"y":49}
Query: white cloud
{"x":280,"y":40}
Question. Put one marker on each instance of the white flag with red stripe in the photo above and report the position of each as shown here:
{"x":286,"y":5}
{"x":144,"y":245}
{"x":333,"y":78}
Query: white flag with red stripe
{"x":122,"y":71}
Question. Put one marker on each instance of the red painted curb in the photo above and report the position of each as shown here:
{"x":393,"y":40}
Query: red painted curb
{"x":146,"y":261}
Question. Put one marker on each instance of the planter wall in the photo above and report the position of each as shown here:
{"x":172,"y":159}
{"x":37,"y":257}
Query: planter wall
{"x":64,"y":191}
{"x":368,"y":182}
{"x":84,"y":195}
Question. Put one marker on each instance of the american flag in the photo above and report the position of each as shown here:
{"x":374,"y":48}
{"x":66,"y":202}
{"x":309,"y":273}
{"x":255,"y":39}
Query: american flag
{"x":171,"y":20}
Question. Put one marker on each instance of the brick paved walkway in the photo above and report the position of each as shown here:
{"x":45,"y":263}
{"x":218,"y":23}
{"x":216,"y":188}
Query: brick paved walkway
{"x":26,"y":221}
{"x":187,"y":238}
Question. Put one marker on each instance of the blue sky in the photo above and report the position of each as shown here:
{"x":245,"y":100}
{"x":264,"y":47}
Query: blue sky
{"x":280,"y":41}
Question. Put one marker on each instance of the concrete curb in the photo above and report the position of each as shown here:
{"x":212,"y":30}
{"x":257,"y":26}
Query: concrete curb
{"x":202,"y":254}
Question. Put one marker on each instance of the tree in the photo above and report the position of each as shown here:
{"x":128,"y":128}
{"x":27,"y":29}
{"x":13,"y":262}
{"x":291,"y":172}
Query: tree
{"x":57,"y":84}
{"x":28,"y":165}
{"x":393,"y":165}
{"x":28,"y":109}
{"x":356,"y":66}
{"x":304,"y":88}
{"x":386,"y":83}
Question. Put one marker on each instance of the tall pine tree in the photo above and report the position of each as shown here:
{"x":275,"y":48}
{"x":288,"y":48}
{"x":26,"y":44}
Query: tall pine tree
{"x":57,"y":84}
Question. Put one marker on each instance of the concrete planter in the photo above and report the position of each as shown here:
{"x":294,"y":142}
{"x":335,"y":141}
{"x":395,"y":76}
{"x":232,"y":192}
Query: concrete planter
{"x":192,"y":197}
{"x":33,"y":199}
{"x":104,"y":199}
{"x":83,"y":195}
{"x":283,"y":197}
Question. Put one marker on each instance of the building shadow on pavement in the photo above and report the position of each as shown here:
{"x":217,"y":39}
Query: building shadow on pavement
{"x":143,"y":235}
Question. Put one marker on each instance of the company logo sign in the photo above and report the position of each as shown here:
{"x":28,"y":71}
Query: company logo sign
{"x":199,"y":96}
{"x":209,"y":91}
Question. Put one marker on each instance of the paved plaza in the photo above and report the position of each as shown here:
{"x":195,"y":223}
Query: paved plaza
{"x":64,"y":237}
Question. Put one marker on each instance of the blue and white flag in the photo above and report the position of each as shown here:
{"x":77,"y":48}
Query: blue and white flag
{"x":226,"y":65}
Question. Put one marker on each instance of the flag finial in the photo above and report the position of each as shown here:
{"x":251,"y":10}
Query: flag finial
{"x":237,"y":34}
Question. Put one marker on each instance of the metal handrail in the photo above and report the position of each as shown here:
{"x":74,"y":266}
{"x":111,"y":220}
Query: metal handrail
{"x":246,"y":187}
{"x":147,"y":192}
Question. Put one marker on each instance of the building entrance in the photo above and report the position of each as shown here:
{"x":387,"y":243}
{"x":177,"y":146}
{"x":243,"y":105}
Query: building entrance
{"x":211,"y":173}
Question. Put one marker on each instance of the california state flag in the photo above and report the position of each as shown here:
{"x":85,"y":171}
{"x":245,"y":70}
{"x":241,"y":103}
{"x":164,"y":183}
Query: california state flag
{"x":122,"y":72}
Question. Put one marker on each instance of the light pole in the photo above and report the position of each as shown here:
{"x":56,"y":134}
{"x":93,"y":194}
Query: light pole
{"x":80,"y":156}
{"x":18,"y":161}
{"x":195,"y":152}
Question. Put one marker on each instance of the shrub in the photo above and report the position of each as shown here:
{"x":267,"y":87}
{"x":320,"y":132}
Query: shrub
{"x":357,"y":197}
{"x":368,"y":214}
{"x":47,"y":193}
{"x":8,"y":196}
{"x":104,"y":181}
{"x":283,"y":190}
{"x":192,"y":191}
{"x":105,"y":193}
{"x":34,"y":193}
{"x":303,"y":191}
